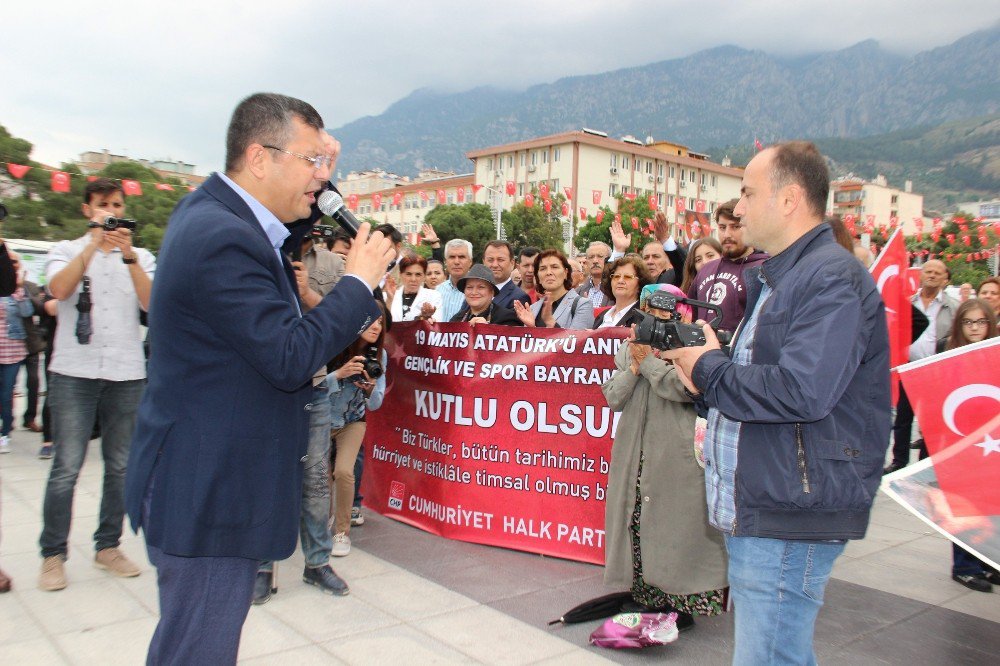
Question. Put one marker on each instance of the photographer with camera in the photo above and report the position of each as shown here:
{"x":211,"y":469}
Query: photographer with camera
{"x":98,"y":367}
{"x":798,"y":410}
{"x":657,"y":539}
{"x":356,"y":387}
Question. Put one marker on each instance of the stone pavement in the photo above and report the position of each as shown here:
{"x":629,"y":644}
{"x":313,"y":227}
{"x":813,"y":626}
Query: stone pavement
{"x":416,"y":598}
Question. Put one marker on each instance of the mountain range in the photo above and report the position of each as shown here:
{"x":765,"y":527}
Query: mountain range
{"x":718,"y":97}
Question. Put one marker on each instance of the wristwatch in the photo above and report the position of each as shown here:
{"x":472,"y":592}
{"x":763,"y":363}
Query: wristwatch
{"x":126,"y":260}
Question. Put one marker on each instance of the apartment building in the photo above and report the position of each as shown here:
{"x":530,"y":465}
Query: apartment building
{"x":877,"y":202}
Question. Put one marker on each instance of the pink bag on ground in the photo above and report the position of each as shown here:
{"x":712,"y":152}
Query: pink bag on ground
{"x":636,"y":630}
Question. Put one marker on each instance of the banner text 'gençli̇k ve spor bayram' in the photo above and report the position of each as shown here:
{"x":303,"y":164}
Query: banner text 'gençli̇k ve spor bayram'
{"x":496,"y":435}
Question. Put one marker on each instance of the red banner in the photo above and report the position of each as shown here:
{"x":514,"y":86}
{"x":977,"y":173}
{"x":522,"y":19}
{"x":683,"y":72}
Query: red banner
{"x":131,"y":188}
{"x":583,"y":213}
{"x":547,"y":205}
{"x":496,"y":435}
{"x":352,"y":201}
{"x":543,"y":191}
{"x":17,"y":170}
{"x":652,"y":201}
{"x":529,"y":200}
{"x":511,"y":188}
{"x":166,"y":187}
{"x":442,"y":197}
{"x":699,"y":206}
{"x":397,"y":198}
{"x":679,"y":207}
{"x":460,"y":195}
{"x":564,"y":209}
{"x":569,"y":193}
{"x":597,"y":197}
{"x":599,"y":216}
{"x":376,"y":202}
{"x":60,"y":181}
{"x":956,"y":399}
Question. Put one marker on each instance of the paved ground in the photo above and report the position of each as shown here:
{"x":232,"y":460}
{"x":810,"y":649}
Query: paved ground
{"x":416,"y":598}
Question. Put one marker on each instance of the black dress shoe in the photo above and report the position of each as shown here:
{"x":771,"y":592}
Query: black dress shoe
{"x":977,"y":583}
{"x":992,"y":577}
{"x":325,"y":579}
{"x":894,"y":467}
{"x":263,"y":587}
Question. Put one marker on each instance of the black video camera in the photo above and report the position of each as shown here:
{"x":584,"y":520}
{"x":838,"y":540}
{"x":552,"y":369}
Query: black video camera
{"x":673,"y":333}
{"x":371,"y":365}
{"x":321,"y":232}
{"x":111,"y":223}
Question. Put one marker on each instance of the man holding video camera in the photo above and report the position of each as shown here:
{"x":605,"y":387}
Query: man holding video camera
{"x":798,"y":418}
{"x":98,"y":369}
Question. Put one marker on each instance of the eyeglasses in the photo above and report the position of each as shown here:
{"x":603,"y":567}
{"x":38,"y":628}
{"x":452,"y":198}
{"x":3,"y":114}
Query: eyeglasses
{"x":975,"y":323}
{"x":620,"y":276}
{"x":320,"y":162}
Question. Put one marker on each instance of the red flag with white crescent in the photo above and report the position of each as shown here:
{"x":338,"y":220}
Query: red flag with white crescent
{"x":166,"y":187}
{"x":60,"y":181}
{"x":630,"y":196}
{"x":889,"y":272}
{"x":460,"y":195}
{"x":699,"y":206}
{"x":583,"y":213}
{"x":956,"y":399}
{"x":569,"y":193}
{"x":511,"y":188}
{"x":547,"y":205}
{"x":543,"y":190}
{"x":529,"y":200}
{"x":564,"y":209}
{"x":476,"y":188}
{"x":635,"y":223}
{"x":652,"y":201}
{"x":597,"y":197}
{"x":599,"y":216}
{"x":442,"y":197}
{"x":131,"y":188}
{"x":376,"y":201}
{"x":352,"y":201}
{"x":680,"y":205}
{"x":397,"y":198}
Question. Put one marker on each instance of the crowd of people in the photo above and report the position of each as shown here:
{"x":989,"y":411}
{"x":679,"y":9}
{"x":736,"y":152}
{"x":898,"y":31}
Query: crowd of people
{"x":226,"y":470}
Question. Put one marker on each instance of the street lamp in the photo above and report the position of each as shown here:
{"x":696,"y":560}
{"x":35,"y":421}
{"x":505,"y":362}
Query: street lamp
{"x":496,"y":196}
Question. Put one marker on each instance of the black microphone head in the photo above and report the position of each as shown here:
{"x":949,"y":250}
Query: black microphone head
{"x":330,"y":202}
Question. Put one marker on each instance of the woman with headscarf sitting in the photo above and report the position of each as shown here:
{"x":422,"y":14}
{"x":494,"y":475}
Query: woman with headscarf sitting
{"x":480,"y":287}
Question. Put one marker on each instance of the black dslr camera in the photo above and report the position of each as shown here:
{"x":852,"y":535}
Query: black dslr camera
{"x":371,"y":364}
{"x":321,"y":232}
{"x":673,"y":333}
{"x":111,"y":223}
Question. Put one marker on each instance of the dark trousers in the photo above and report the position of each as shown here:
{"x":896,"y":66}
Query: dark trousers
{"x":902,"y":429}
{"x":204,"y":602}
{"x":31,"y":381}
{"x":964,"y":563}
{"x":46,"y":414}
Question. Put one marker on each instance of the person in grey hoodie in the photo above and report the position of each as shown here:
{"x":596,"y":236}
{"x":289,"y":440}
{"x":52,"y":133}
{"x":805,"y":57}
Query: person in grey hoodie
{"x":721,"y":282}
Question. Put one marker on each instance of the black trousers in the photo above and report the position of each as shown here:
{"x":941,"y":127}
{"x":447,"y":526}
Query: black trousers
{"x":31,"y":368}
{"x":902,"y":429}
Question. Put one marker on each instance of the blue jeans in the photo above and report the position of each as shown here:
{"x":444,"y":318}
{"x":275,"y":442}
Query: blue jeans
{"x":8,"y":375}
{"x":777,"y":590}
{"x":314,"y":522}
{"x":75,"y":403}
{"x":964,"y":563}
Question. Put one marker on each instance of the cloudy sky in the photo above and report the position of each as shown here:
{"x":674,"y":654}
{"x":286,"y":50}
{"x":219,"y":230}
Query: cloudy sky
{"x":158,"y":80}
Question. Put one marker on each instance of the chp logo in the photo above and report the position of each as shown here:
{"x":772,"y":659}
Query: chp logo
{"x":396,"y":492}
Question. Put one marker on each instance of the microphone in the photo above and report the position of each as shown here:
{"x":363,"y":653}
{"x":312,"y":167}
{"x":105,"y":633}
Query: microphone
{"x":332,"y":204}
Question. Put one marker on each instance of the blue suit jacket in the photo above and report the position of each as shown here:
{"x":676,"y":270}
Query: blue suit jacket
{"x":222,"y":428}
{"x":510,"y":293}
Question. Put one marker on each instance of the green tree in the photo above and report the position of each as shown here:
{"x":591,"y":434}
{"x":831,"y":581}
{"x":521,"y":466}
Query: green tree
{"x":524,"y":225}
{"x":956,"y":255}
{"x":638,"y":208}
{"x":472,"y":222}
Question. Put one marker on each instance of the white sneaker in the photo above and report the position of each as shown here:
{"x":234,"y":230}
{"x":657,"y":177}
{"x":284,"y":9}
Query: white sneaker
{"x":341,"y":545}
{"x":4,"y":444}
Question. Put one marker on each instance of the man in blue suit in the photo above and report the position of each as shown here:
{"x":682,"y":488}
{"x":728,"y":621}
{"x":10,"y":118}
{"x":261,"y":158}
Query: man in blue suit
{"x":215,"y":472}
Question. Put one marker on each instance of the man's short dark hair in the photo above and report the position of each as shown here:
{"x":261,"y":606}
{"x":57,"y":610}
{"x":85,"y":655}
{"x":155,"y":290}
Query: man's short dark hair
{"x":726,"y":210}
{"x":801,"y":163}
{"x":500,"y":243}
{"x":265,"y":118}
{"x":390,"y":231}
{"x":101,"y":186}
{"x":528,"y":252}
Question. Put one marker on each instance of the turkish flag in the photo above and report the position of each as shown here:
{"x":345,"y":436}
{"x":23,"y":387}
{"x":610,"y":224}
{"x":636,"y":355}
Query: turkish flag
{"x":442,"y":197}
{"x":635,"y":223}
{"x":376,"y":201}
{"x":951,"y":238}
{"x":17,"y":170}
{"x":597,"y":197}
{"x":397,"y":198}
{"x":564,"y":209}
{"x":131,"y":188}
{"x":652,"y":201}
{"x":889,"y":272}
{"x":165,"y":187}
{"x":599,"y":216}
{"x":618,"y":218}
{"x":630,"y":196}
{"x":569,"y":193}
{"x":460,"y":195}
{"x":60,"y":181}
{"x":475,"y":189}
{"x":352,"y":201}
{"x":893,"y":222}
{"x":422,"y":194}
{"x":918,"y":222}
{"x":849,"y":221}
{"x":912,"y":279}
{"x":544,"y":191}
{"x":699,"y":206}
{"x":547,"y":205}
{"x":956,"y":399}
{"x":511,"y":188}
{"x":529,"y":200}
{"x":191,"y":188}
{"x":680,"y":205}
{"x":583,"y":213}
